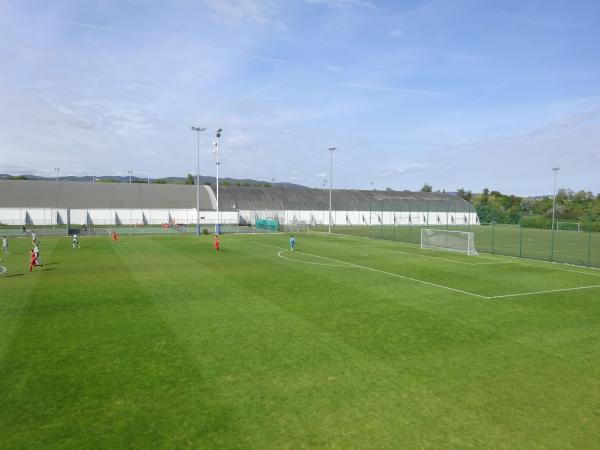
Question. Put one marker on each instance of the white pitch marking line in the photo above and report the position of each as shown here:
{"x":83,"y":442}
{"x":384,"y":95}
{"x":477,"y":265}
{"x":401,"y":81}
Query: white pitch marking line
{"x":416,"y":280}
{"x":279,"y":253}
{"x":545,"y":292}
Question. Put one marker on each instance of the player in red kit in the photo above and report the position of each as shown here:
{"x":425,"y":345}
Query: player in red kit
{"x":216,"y":243}
{"x":32,"y":260}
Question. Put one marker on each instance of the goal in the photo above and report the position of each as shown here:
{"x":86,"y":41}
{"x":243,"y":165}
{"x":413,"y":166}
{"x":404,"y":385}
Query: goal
{"x":296,"y":227}
{"x":568,"y":226}
{"x":453,"y":241}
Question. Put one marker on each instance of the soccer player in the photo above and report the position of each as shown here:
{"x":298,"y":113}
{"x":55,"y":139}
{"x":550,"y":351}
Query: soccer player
{"x":114,"y":236}
{"x":292,"y":243}
{"x":216,"y":244}
{"x":4,"y":245}
{"x":32,"y":260}
{"x":75,"y":241}
{"x":33,"y":238}
{"x":36,"y":252}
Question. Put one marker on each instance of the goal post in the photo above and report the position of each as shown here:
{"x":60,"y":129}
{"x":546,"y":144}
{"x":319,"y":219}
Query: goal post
{"x":452,"y":241}
{"x":568,"y":226}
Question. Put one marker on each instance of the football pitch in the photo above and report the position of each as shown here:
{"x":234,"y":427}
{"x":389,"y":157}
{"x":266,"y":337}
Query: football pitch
{"x":347,"y":342}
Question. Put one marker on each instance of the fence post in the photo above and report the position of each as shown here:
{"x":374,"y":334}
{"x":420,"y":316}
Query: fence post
{"x":381,"y":220}
{"x":589,"y":252}
{"x":370,"y":216}
{"x":552,"y":245}
{"x":521,"y":240}
{"x":410,"y":224}
{"x":493,"y":232}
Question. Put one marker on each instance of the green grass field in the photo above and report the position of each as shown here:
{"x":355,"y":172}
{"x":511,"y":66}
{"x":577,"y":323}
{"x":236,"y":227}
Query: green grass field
{"x":158,"y":342}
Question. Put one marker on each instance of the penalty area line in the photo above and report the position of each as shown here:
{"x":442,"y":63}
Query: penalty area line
{"x":440,"y":286}
{"x":404,"y":277}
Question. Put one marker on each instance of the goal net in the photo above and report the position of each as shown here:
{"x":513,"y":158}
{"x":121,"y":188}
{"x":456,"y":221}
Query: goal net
{"x":568,"y":226}
{"x":296,"y":227}
{"x":453,"y":241}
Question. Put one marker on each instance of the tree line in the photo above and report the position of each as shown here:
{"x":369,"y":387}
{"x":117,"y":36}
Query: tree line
{"x":571,"y":206}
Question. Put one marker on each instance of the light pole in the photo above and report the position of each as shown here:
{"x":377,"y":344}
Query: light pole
{"x":198,"y":130}
{"x":556,"y":169}
{"x":331,"y":149}
{"x":130,"y":172}
{"x":57,"y":169}
{"x":217,"y":224}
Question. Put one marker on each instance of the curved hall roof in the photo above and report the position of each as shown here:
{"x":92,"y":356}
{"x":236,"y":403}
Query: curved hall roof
{"x":77,"y":194}
{"x":254,"y":198}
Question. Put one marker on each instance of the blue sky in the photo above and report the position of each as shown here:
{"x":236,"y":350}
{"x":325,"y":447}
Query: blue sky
{"x":459,"y":93}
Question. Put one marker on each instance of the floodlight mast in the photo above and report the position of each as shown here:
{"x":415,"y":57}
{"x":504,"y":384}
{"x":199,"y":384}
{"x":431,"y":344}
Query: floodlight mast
{"x":198,"y":130}
{"x":130,"y":172}
{"x":218,"y":222}
{"x":57,"y":169}
{"x":331,"y":150}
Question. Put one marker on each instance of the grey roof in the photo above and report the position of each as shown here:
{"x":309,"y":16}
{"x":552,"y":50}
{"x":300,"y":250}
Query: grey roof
{"x":73,"y":194}
{"x":254,"y":198}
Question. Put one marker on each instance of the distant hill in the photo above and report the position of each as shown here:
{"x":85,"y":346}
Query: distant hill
{"x":165,"y":180}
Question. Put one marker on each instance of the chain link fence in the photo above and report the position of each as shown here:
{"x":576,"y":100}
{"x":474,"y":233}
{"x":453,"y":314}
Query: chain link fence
{"x":571,"y":240}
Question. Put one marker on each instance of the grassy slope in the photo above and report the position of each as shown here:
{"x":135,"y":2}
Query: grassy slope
{"x":158,"y":342}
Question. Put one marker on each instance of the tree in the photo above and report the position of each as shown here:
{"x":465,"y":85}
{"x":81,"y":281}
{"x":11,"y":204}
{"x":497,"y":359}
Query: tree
{"x":426,"y":188}
{"x":189,"y":179}
{"x":465,"y":195}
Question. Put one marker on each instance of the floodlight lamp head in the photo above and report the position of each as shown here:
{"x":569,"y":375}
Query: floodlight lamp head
{"x":219,"y":132}
{"x":332,"y":148}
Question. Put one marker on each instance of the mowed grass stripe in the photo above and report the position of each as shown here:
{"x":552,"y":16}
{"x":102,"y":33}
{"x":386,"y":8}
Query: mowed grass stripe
{"x":17,"y":285}
{"x":94,"y":366}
